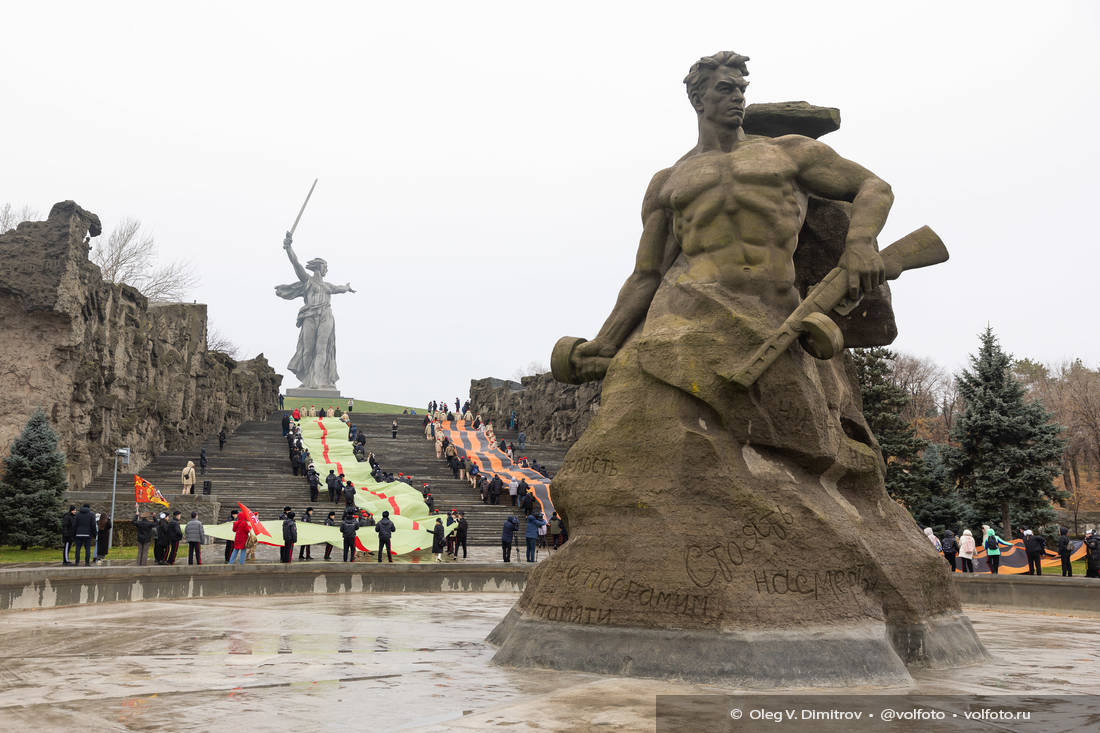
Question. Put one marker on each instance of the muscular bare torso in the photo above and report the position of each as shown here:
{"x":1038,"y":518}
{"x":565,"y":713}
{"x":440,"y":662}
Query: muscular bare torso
{"x":736,"y":216}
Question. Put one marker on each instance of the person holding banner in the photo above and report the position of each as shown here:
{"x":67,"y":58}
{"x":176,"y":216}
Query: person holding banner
{"x":242,"y":528}
{"x":144,"y":527}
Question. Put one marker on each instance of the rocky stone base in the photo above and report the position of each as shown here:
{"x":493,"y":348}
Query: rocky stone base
{"x":857,"y":655}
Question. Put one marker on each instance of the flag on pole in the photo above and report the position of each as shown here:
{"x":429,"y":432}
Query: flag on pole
{"x":253,"y":521}
{"x":145,"y":492}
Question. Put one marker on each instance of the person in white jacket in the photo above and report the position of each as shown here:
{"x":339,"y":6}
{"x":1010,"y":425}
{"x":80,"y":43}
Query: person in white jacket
{"x":966,"y":551}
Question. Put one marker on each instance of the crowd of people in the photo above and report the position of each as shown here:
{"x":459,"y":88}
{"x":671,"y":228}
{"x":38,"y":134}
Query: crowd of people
{"x":959,"y":551}
{"x":164,"y":532}
{"x":539,"y":531}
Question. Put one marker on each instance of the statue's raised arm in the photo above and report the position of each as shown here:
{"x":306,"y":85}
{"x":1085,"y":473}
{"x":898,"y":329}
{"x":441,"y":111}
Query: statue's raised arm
{"x":298,"y":269}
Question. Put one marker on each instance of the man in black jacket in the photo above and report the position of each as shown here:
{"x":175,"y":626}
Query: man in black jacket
{"x":460,"y":535}
{"x":68,"y":536}
{"x":314,"y":481}
{"x":304,"y":552}
{"x":385,"y":529}
{"x":349,"y":497}
{"x":162,"y":540}
{"x":330,"y":521}
{"x":286,"y":424}
{"x":348,"y":527}
{"x":175,"y":534}
{"x":1092,"y":555}
{"x":1064,"y":553}
{"x":85,"y":531}
{"x":333,"y":484}
{"x":144,"y":526}
{"x":290,"y":536}
{"x":229,"y":543}
{"x":1034,"y":546}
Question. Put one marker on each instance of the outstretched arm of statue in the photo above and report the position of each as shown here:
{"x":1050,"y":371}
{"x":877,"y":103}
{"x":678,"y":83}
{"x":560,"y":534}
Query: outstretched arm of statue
{"x":826,"y":174}
{"x":590,"y":358}
{"x":337,"y":289}
{"x":298,"y":269}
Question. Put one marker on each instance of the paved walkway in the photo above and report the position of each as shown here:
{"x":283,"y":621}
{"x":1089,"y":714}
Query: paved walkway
{"x":392,"y":662}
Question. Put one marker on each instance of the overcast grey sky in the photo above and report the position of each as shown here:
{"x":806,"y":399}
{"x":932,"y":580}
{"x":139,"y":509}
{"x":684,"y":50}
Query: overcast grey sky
{"x":482,"y":165}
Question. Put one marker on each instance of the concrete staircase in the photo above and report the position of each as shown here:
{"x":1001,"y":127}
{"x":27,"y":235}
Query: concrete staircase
{"x":254,"y":469}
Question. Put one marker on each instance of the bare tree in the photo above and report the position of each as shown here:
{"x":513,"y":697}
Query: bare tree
{"x":216,"y":341}
{"x":10,"y":217}
{"x":130,"y":256}
{"x":532,"y":369}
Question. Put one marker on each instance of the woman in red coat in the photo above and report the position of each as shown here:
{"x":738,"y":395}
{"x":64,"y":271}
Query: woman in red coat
{"x":296,"y":415}
{"x":241,"y":530}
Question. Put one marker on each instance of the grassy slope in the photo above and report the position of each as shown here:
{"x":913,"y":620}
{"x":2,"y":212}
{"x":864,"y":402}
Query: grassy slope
{"x":361,"y":406}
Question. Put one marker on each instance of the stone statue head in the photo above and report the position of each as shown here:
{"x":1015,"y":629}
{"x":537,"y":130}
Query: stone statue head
{"x":716,"y":87}
{"x":318,"y":265}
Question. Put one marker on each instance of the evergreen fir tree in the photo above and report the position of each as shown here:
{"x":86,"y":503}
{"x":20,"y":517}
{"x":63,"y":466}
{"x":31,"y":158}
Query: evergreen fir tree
{"x":883,"y":402}
{"x":915,"y":474}
{"x":32,"y":487}
{"x":1007,"y":450}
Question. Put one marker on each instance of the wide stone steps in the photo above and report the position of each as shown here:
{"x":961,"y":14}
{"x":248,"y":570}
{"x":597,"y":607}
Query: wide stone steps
{"x":254,"y":469}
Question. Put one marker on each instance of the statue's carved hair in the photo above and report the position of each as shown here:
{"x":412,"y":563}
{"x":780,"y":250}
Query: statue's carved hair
{"x":702,"y":69}
{"x":316,"y":264}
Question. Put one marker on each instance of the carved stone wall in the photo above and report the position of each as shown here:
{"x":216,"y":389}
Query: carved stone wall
{"x":109,"y":368}
{"x":548,"y":410}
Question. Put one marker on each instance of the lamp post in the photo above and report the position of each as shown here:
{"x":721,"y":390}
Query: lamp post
{"x":125,"y":453}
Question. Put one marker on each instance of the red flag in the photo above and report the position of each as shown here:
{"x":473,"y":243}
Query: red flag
{"x":145,"y":492}
{"x":253,"y":521}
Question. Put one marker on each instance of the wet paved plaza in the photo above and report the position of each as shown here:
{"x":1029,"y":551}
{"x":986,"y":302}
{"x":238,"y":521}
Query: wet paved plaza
{"x":390,"y":662}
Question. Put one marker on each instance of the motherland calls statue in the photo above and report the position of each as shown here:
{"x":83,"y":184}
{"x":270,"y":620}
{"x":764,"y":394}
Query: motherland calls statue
{"x":314,"y":361}
{"x":726,"y":505}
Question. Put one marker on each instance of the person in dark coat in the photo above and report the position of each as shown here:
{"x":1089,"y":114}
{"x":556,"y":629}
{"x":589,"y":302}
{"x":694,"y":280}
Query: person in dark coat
{"x":950,"y":547}
{"x":531,"y":533}
{"x":393,"y":427}
{"x":314,"y":481}
{"x":349,"y":496}
{"x":202,"y":461}
{"x":221,"y":439}
{"x":333,"y":484}
{"x":1034,"y":546}
{"x":527,"y":503}
{"x":304,"y":552}
{"x":330,"y":521}
{"x":103,"y":536}
{"x":162,"y":541}
{"x":460,"y":535}
{"x":496,"y":486}
{"x":174,"y":537}
{"x":385,"y":529}
{"x":84,"y":530}
{"x":437,"y":540}
{"x":348,"y":527}
{"x":286,"y":424}
{"x":1092,"y":555}
{"x":229,"y":543}
{"x":290,"y":536}
{"x":68,"y":535}
{"x":144,"y":528}
{"x":507,"y":537}
{"x":1064,"y":553}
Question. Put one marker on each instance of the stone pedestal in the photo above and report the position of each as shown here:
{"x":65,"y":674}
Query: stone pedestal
{"x":318,"y":394}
